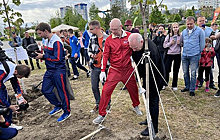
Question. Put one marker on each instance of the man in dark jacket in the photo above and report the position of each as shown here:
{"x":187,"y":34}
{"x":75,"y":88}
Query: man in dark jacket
{"x":137,"y":44}
{"x":25,"y":42}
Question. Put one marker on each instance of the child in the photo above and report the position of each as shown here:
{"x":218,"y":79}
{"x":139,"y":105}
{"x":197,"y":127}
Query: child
{"x":205,"y":63}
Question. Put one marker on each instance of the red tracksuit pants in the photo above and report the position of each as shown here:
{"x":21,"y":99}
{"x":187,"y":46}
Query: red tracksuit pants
{"x":115,"y":76}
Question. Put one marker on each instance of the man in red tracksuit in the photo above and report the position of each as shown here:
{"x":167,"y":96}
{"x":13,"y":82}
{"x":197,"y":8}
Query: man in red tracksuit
{"x":118,"y":51}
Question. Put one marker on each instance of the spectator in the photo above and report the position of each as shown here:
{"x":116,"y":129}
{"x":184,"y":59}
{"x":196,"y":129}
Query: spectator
{"x":208,"y":31}
{"x":86,"y":37}
{"x":172,"y":43}
{"x":159,"y":39}
{"x":80,"y":38}
{"x":27,"y":40}
{"x":193,"y":39}
{"x":75,"y":56}
{"x":55,"y":75}
{"x":128,"y":26}
{"x":17,"y":42}
{"x":205,"y":63}
{"x":118,"y":51}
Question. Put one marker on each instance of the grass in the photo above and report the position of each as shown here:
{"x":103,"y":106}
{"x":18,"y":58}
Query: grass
{"x":193,"y":118}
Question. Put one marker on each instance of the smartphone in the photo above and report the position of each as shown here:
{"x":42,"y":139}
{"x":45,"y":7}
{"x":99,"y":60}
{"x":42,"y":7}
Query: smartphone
{"x":174,"y":37}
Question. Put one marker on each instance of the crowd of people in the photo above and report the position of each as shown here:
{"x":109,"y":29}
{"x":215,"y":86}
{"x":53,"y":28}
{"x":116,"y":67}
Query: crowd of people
{"x":106,"y":58}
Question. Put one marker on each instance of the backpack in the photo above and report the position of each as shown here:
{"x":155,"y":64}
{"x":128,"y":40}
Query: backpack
{"x":3,"y":59}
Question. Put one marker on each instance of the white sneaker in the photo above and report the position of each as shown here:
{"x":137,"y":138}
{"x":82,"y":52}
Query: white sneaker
{"x":164,"y":87}
{"x":137,"y":111}
{"x":98,"y":120}
{"x":175,"y":88}
{"x":16,"y":127}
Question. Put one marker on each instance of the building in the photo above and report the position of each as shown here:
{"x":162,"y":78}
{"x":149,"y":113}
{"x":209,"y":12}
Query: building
{"x":81,"y":9}
{"x":119,"y":3}
{"x":63,"y":10}
{"x":208,"y":3}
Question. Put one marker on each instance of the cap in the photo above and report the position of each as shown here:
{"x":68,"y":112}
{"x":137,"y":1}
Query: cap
{"x":128,"y":22}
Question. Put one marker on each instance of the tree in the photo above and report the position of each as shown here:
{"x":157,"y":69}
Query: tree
{"x":93,"y":12}
{"x":55,"y":21}
{"x":190,"y":12}
{"x":116,"y":12}
{"x":8,"y":13}
{"x":156,"y":17}
{"x":177,"y":18}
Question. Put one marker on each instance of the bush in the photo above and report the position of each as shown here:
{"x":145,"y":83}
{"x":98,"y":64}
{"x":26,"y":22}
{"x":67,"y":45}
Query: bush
{"x":182,"y":27}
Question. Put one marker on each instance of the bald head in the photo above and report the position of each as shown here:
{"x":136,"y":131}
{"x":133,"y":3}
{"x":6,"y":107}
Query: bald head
{"x":135,"y":41}
{"x":115,"y":22}
{"x":116,"y":27}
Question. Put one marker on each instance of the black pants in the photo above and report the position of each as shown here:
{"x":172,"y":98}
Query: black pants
{"x":176,"y":66}
{"x":83,"y":62}
{"x":218,"y":62}
{"x":207,"y":73}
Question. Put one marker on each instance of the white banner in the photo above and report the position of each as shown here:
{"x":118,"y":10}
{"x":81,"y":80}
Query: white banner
{"x":20,"y":51}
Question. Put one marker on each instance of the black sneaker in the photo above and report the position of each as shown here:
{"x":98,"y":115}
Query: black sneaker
{"x":217,"y":94}
{"x":192,"y":93}
{"x":146,"y":132}
{"x":212,"y":87}
{"x":184,"y":90}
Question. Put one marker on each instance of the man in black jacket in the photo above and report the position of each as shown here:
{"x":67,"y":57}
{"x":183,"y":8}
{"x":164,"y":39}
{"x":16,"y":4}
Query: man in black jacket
{"x":25,"y":42}
{"x":137,"y":44}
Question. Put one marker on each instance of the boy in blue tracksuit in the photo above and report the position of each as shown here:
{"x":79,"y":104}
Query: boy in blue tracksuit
{"x":55,"y":75}
{"x":75,"y":56}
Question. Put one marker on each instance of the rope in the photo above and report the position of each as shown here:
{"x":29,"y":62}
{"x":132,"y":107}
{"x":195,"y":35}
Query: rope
{"x":173,"y":92}
{"x":160,"y":98}
{"x":117,"y":97}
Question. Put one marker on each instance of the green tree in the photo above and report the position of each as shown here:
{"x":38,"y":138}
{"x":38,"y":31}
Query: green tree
{"x":177,"y":18}
{"x":55,"y":21}
{"x":93,"y":12}
{"x":81,"y":24}
{"x":156,"y":17}
{"x":8,"y":13}
{"x":116,"y":12}
{"x":190,"y":12}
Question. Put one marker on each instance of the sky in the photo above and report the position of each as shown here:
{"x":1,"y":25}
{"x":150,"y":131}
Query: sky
{"x":43,"y":10}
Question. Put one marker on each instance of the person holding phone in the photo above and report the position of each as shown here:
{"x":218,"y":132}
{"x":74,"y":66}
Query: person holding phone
{"x":159,"y":39}
{"x":172,"y":41}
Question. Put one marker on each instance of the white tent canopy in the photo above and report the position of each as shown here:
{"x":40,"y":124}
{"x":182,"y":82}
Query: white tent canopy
{"x":63,"y":27}
{"x":30,"y":31}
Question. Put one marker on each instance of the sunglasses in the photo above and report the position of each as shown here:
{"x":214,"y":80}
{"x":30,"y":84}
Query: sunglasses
{"x":92,"y":28}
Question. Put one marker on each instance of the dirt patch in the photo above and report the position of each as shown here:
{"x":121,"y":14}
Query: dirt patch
{"x":195,"y":118}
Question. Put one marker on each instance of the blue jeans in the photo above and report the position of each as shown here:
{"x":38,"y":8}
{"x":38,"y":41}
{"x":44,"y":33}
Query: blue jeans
{"x":192,"y":63}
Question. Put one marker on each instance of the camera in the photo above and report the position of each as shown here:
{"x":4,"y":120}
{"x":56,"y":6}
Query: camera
{"x":94,"y":50}
{"x":159,"y":32}
{"x":23,"y":107}
{"x":4,"y":111}
{"x":31,"y":49}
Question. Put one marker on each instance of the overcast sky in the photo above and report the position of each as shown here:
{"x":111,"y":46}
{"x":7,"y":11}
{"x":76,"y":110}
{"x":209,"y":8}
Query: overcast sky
{"x":43,"y":10}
